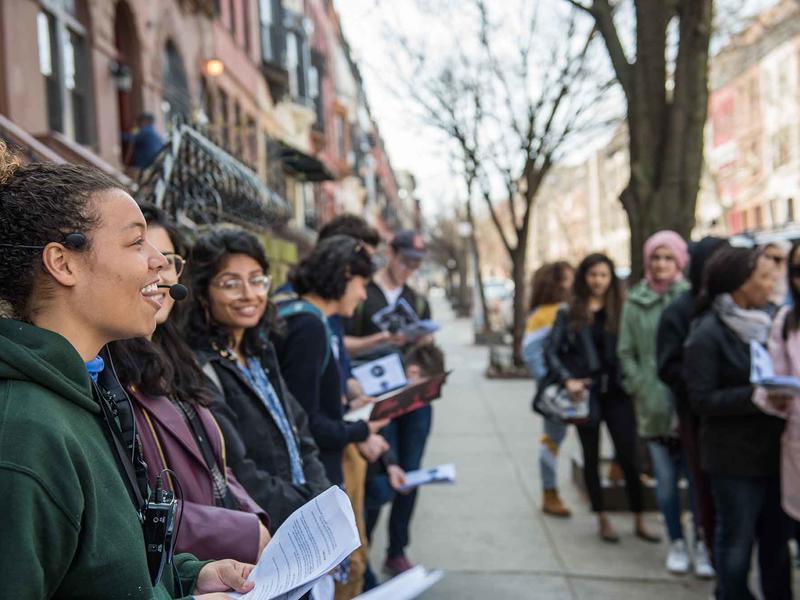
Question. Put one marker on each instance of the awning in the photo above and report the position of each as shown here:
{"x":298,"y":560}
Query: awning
{"x":301,"y":165}
{"x":195,"y":179}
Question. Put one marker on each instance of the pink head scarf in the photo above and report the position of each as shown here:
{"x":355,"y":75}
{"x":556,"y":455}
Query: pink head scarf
{"x":676,"y":245}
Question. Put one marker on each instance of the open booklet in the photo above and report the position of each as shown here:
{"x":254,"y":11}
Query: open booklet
{"x":402,"y":401}
{"x":441,"y":474}
{"x":400,"y":317}
{"x":311,"y":542}
{"x":405,"y":586}
{"x":762,"y":372}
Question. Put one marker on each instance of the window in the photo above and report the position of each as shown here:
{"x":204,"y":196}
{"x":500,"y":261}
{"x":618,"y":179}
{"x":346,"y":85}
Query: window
{"x":175,"y":96}
{"x":315,"y":76}
{"x":64,"y":62}
{"x":790,"y":210}
{"x":232,"y":17}
{"x":237,"y":132}
{"x":780,"y":148}
{"x":340,"y":136}
{"x":246,"y":22}
{"x":251,"y":144}
{"x":270,"y":18}
{"x":224,"y":119}
{"x":293,"y":64}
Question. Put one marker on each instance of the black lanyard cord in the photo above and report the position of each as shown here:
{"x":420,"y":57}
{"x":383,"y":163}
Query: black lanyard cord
{"x":122,"y":455}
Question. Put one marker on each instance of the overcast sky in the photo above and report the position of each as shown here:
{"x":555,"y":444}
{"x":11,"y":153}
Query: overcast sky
{"x":411,"y":146}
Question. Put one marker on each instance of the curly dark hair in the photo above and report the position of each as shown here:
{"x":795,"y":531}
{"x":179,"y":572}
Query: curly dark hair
{"x":332,"y":263}
{"x":352,"y":225}
{"x":208,"y":254}
{"x":166,"y":365}
{"x":547,"y":284}
{"x":579,"y":314}
{"x":40,"y":203}
{"x":428,"y":357}
{"x":726,"y":271}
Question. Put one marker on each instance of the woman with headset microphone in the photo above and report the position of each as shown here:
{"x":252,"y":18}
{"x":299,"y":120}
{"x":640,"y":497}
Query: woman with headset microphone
{"x":76,"y":272}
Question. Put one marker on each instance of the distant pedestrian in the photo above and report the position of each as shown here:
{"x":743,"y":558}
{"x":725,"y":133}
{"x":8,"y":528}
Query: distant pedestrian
{"x":665,"y":258}
{"x":739,"y":445}
{"x":582,"y":353}
{"x":147,"y":142}
{"x":550,"y":288}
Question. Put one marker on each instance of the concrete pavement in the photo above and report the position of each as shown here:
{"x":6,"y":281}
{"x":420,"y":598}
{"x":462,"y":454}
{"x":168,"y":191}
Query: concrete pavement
{"x":487,"y":532}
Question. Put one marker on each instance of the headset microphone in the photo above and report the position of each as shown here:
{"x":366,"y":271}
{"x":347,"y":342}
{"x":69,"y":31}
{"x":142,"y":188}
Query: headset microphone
{"x":177,"y":291}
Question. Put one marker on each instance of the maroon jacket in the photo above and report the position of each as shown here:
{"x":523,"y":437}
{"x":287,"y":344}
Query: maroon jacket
{"x":206,"y":530}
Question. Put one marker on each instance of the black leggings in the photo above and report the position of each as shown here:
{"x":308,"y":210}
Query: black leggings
{"x":616,"y":409}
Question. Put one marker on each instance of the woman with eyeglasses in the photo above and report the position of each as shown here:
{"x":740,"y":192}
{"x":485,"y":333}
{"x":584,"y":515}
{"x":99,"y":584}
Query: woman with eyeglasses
{"x":76,"y":272}
{"x":784,"y":348}
{"x":177,"y":431}
{"x":330,"y":281}
{"x":268,"y":443}
{"x":739,"y":445}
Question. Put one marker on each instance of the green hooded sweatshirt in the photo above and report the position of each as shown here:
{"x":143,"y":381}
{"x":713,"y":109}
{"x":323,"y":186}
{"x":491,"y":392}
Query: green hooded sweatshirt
{"x":637,"y":354}
{"x":68,"y":528}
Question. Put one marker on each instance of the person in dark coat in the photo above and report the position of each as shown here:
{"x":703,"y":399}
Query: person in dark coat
{"x":582,"y":356}
{"x":673,"y":329}
{"x":169,"y":397}
{"x":739,"y":445}
{"x":267,"y":439}
{"x":331,"y":280}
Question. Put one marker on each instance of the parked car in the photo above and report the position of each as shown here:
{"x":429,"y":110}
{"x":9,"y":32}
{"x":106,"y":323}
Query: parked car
{"x":499,"y":294}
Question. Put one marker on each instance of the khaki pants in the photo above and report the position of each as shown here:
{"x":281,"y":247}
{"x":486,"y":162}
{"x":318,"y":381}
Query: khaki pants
{"x":355,"y":471}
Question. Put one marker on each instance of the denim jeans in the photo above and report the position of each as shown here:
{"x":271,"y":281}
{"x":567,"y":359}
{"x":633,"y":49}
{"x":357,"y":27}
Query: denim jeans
{"x":669,"y":464}
{"x":748,"y":511}
{"x":554,"y":434}
{"x":407,"y":436}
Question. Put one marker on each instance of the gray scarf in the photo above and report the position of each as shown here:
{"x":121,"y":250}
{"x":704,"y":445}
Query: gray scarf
{"x":747,"y":324}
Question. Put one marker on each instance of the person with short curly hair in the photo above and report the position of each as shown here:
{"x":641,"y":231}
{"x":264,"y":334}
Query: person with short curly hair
{"x":331,"y":280}
{"x":76,"y":272}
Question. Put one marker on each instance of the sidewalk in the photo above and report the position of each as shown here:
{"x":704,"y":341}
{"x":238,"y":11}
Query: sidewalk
{"x":487,"y":532}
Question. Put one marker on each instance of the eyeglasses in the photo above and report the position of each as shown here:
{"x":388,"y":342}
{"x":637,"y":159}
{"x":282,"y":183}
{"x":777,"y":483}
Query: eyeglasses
{"x":234,"y":287}
{"x":176,"y":262}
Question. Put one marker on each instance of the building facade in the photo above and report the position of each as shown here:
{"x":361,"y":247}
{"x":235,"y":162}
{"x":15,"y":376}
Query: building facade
{"x":271,"y":82}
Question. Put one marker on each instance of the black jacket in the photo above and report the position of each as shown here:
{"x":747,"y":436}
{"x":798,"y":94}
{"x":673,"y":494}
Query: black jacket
{"x":255,"y":447}
{"x":573,"y":353}
{"x":673,"y":329}
{"x":317,"y":387}
{"x":736,"y":438}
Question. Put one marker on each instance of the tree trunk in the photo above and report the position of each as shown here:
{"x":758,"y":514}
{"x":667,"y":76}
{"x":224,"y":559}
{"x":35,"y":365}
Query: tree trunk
{"x":476,"y":263}
{"x":518,"y":273}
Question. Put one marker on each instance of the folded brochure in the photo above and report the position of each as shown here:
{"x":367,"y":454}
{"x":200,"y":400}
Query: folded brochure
{"x":405,"y":586}
{"x":762,"y":372}
{"x":311,"y":542}
{"x":441,"y":474}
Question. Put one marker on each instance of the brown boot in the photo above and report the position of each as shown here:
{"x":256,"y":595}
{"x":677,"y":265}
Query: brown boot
{"x":552,"y":505}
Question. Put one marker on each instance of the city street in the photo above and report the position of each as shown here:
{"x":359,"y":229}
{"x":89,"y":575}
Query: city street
{"x":487,"y":532}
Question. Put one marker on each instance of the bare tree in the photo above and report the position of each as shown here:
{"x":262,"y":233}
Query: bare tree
{"x":665,"y":83}
{"x":510,"y":110}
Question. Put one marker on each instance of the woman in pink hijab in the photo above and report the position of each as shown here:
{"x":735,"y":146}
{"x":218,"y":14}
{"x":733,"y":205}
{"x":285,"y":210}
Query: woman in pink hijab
{"x":665,"y":258}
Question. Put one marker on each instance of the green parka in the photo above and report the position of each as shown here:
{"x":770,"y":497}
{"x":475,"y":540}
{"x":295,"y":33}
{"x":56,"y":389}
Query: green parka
{"x":637,"y":354}
{"x":68,"y":528}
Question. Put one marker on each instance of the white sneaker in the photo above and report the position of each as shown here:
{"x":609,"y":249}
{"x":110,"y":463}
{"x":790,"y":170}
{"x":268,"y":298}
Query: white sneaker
{"x":678,"y":558}
{"x":702,"y":562}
